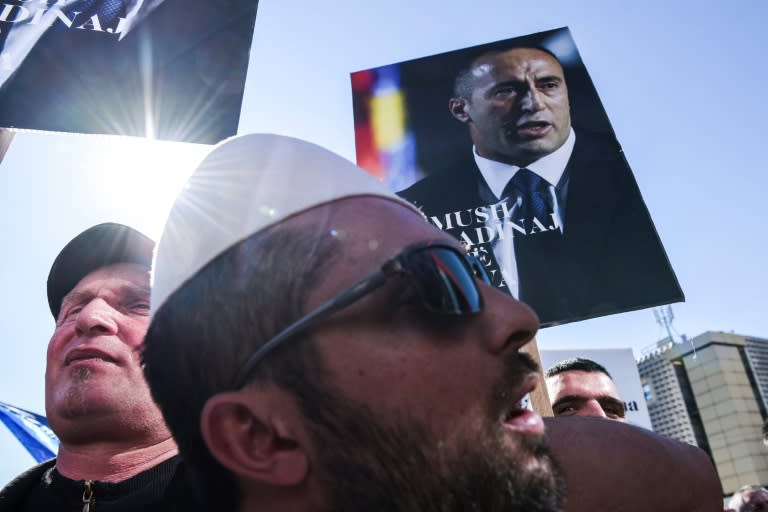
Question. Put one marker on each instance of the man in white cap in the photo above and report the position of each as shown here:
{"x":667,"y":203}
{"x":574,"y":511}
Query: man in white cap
{"x":315,"y":345}
{"x":115,"y":453}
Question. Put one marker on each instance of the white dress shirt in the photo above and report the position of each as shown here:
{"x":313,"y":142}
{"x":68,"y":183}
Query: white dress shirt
{"x":497,"y":174}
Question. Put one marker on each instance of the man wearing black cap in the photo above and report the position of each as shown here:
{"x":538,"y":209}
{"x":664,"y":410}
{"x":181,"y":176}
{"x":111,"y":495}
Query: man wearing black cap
{"x":116,"y":452}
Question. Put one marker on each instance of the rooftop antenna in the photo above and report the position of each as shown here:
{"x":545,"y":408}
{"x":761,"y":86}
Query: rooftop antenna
{"x":6,"y":136}
{"x":664,"y":317}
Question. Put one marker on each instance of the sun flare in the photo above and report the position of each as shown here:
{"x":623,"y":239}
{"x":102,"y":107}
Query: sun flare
{"x":138,"y":179}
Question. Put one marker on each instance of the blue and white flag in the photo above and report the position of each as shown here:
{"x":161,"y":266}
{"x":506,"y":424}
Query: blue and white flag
{"x":31,"y":430}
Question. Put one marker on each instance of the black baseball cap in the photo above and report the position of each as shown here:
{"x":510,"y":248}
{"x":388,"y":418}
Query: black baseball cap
{"x":96,"y":247}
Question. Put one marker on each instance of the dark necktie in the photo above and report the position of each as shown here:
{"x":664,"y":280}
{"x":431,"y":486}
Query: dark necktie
{"x":532,"y":191}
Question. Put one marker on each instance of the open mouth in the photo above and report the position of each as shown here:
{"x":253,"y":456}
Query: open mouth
{"x":520,"y":419}
{"x":533,"y":129}
{"x":524,"y":421}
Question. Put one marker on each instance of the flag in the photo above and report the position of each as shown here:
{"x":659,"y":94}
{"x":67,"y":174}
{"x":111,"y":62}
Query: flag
{"x":31,"y":430}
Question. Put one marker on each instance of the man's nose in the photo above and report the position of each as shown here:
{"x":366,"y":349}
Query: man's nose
{"x":510,"y":323}
{"x":592,"y":408}
{"x":532,"y":100}
{"x":96,"y":317}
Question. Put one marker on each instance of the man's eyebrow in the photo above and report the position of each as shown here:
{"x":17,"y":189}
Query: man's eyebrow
{"x":568,"y":399}
{"x":610,"y":400}
{"x":515,"y":82}
{"x":78,"y":296}
{"x":508,"y":82}
{"x":129,"y":292}
{"x":549,"y":78}
{"x":135,"y":291}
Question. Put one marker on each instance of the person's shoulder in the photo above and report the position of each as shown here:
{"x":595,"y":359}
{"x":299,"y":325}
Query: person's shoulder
{"x":454,"y":188}
{"x":596,"y":149}
{"x":614,"y":465}
{"x":18,"y":488}
{"x":591,"y":140}
{"x":183,"y":491}
{"x":598,"y":160}
{"x":435,"y":180}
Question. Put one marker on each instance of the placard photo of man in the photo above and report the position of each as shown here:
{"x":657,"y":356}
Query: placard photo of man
{"x":550,"y":204}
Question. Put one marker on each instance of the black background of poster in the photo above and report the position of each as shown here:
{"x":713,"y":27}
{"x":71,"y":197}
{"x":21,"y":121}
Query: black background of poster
{"x":178,"y":75}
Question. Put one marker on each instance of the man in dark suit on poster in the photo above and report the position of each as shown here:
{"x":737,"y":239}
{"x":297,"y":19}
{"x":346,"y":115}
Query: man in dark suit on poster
{"x":557,"y":214}
{"x":167,"y":69}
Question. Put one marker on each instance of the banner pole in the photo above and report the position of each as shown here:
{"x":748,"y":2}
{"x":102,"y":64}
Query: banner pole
{"x":539,"y":397}
{"x":6,"y":136}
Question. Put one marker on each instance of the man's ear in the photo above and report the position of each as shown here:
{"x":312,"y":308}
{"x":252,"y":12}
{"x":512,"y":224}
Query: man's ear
{"x":459,"y":109}
{"x":253,"y":439}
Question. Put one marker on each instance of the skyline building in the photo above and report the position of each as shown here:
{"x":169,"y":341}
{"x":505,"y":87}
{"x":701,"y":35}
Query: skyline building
{"x":711,"y":391}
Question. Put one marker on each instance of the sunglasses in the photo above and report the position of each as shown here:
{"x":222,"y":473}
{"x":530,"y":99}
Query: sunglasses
{"x":444,"y":278}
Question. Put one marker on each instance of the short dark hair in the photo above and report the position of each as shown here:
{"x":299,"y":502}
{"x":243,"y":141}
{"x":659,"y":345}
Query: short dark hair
{"x":581,"y":364}
{"x":206,"y":329}
{"x":463,"y":84}
{"x":737,"y":499}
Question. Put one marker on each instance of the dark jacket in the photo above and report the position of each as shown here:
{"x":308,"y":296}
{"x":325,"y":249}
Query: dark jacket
{"x":165,"y":487}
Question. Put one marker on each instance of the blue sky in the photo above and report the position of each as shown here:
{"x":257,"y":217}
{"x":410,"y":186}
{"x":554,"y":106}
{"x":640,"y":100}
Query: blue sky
{"x":682,"y":85}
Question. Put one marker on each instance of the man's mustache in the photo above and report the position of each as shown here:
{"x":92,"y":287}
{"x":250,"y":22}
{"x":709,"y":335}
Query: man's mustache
{"x":517,"y":367}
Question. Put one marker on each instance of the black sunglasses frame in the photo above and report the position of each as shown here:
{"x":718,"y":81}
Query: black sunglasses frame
{"x":396,"y":265}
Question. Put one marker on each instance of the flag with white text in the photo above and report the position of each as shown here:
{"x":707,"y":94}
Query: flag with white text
{"x":161,"y":69}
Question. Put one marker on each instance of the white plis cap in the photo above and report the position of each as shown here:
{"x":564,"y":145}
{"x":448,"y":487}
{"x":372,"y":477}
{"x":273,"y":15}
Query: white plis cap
{"x":244,"y":185}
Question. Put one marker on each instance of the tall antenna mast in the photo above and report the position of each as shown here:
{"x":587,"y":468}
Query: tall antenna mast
{"x":664,"y":317}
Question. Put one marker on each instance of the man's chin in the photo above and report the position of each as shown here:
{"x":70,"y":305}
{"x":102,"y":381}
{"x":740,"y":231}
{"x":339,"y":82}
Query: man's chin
{"x":87,"y":400}
{"x":522,"y":471}
{"x":540,"y":466}
{"x":529,"y":451}
{"x":527,"y":151}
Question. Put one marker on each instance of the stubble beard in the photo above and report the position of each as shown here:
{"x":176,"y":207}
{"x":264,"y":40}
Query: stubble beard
{"x":73,"y":403}
{"x":522,"y":152}
{"x":366,"y":464}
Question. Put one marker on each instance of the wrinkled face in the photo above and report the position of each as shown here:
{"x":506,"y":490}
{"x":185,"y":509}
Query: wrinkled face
{"x":93,"y":378}
{"x":579,"y":393}
{"x":518,"y":111}
{"x":447,"y":387}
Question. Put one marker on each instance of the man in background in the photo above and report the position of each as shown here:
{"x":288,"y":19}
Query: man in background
{"x":765,"y":433}
{"x":555,"y":212}
{"x":749,"y":498}
{"x":582,"y":387}
{"x":115,"y":451}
